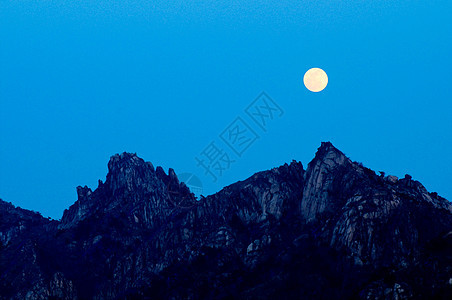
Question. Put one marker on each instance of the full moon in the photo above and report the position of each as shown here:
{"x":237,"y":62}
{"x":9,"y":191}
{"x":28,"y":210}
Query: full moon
{"x":315,"y":79}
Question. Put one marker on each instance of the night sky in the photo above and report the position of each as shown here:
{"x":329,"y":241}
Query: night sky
{"x":215,"y":89}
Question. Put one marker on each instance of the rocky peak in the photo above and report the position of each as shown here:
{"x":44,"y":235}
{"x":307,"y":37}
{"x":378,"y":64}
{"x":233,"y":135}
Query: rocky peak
{"x":334,"y":231}
{"x":329,"y":155}
{"x":127,"y":172}
{"x":321,"y":175}
{"x":123,"y":160}
{"x":83,"y":193}
{"x":267,"y":194}
{"x":134,"y":189}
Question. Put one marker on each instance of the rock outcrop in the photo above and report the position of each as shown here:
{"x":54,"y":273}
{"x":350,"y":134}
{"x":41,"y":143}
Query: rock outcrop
{"x":334,"y":231}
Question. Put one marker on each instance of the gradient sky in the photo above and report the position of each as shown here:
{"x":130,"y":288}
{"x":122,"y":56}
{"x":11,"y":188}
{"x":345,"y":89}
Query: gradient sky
{"x":83,"y":80}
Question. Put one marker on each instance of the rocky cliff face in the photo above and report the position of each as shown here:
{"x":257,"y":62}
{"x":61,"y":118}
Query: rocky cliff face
{"x":335,"y":230}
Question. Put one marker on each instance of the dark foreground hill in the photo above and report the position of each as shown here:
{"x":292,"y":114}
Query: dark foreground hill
{"x":334,"y":231}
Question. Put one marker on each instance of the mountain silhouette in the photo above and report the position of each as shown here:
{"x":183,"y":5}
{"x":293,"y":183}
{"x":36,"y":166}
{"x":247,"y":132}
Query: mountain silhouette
{"x":336,"y":230}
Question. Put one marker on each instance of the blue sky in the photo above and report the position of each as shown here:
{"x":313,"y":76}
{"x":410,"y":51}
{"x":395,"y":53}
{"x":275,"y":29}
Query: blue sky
{"x":83,"y":80}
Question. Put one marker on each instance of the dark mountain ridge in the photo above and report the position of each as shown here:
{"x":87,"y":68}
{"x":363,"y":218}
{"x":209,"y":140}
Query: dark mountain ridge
{"x":335,"y":230}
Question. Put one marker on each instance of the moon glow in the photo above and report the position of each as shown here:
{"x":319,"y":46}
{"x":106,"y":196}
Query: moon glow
{"x":315,"y":79}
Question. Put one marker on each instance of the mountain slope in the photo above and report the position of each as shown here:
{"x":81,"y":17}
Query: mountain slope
{"x":335,"y":230}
